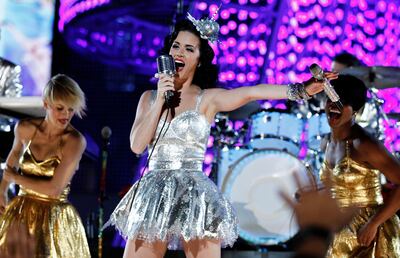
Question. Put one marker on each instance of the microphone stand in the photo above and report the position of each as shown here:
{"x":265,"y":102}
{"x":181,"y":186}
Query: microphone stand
{"x":102,"y":195}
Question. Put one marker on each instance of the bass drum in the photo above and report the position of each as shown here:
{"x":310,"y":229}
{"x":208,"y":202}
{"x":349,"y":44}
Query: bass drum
{"x":253,"y":184}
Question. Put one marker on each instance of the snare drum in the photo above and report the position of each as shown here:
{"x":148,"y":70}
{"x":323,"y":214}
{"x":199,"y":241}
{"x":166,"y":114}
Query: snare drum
{"x":253,"y":184}
{"x":317,"y":127}
{"x":276,"y":129}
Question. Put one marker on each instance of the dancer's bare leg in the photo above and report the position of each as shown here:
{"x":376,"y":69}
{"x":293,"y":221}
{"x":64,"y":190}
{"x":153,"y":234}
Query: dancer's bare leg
{"x":202,"y":248}
{"x":140,"y":249}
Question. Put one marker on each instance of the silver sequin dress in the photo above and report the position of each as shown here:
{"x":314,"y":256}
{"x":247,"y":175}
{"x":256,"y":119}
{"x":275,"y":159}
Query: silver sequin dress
{"x":175,"y":200}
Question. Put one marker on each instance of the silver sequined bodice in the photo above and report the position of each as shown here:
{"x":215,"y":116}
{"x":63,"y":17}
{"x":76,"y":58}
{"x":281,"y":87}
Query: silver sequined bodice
{"x":184,"y":144}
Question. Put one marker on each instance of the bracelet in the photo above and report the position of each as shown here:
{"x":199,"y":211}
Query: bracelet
{"x":297,"y":92}
{"x":309,"y":232}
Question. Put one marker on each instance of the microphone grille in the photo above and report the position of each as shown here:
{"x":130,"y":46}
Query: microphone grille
{"x":166,"y":64}
{"x":317,"y":71}
{"x":106,"y":132}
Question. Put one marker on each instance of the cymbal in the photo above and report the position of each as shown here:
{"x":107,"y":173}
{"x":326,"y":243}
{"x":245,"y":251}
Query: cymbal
{"x":244,"y":111}
{"x":380,"y":77}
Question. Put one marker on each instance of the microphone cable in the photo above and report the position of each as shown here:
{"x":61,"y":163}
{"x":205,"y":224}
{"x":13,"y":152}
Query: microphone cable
{"x":149,"y":157}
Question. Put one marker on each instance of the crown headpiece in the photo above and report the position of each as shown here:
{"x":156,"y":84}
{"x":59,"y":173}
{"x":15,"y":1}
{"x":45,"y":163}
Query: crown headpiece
{"x":208,"y":27}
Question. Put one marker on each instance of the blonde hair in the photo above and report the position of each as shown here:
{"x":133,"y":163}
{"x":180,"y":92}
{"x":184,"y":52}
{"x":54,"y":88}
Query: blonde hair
{"x":63,"y":88}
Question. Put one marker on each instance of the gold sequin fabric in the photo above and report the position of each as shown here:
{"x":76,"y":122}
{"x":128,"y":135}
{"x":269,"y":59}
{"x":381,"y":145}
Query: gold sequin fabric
{"x":354,"y":184}
{"x":53,"y":223}
{"x":175,"y":201}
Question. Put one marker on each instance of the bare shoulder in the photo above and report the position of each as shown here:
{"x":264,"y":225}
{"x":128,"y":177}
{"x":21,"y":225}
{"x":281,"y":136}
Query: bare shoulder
{"x":74,"y":139}
{"x":366,"y":142}
{"x":25,"y":128}
{"x":211,"y":93}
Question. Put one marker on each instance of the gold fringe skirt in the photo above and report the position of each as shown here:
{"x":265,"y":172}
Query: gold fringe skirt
{"x":53,"y":225}
{"x":386,"y":243}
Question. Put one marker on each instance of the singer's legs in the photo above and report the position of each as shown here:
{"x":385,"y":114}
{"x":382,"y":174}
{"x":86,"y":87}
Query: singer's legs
{"x":202,"y":248}
{"x":136,"y":248}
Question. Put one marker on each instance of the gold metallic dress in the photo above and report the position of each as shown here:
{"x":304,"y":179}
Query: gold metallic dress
{"x":355,"y":185}
{"x":53,"y":222}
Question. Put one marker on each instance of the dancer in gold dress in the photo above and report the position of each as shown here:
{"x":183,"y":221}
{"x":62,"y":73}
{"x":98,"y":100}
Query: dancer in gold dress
{"x":353,"y":161}
{"x":44,"y":157}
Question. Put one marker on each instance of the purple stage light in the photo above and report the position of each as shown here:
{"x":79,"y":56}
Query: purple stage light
{"x":224,"y":30}
{"x":242,"y":15}
{"x":231,"y":42}
{"x":242,"y":29}
{"x":252,"y":45}
{"x":241,"y":77}
{"x":225,"y":14}
{"x":242,"y":2}
{"x":202,"y":6}
{"x":241,"y":61}
{"x":232,"y":25}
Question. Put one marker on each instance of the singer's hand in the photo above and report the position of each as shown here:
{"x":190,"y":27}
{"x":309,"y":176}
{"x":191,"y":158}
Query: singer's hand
{"x":165,"y":83}
{"x":313,"y":86}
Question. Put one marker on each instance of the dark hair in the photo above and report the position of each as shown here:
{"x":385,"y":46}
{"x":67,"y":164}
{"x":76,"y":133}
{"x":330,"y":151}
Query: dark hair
{"x":347,"y":59}
{"x":351,"y":90}
{"x":206,"y":75}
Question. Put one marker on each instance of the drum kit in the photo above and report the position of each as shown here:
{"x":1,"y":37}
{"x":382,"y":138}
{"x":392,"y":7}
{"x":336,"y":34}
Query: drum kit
{"x":257,"y":159}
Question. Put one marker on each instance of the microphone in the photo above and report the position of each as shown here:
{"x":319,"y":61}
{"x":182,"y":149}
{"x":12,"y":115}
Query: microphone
{"x":166,"y":65}
{"x":318,"y":74}
{"x":106,"y":133}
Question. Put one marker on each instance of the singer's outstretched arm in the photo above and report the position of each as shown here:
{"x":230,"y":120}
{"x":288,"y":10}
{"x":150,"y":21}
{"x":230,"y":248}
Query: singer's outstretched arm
{"x":222,"y":100}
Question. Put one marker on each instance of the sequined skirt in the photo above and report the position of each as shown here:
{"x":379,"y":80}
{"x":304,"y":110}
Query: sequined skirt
{"x":175,"y":206}
{"x":386,"y":243}
{"x":54,"y":225}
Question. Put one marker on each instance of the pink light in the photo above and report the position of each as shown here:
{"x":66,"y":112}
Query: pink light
{"x":254,"y":1}
{"x":295,"y":6}
{"x":231,"y":42}
{"x":363,"y":5}
{"x":156,"y":41}
{"x":230,"y":75}
{"x":208,"y":170}
{"x":253,"y":15}
{"x":242,"y":30}
{"x":338,"y":30}
{"x":370,"y":29}
{"x":225,"y":14}
{"x":224,"y":30}
{"x":138,"y":36}
{"x":351,"y":19}
{"x":233,"y":10}
{"x":230,"y":59}
{"x":208,"y":158}
{"x":260,"y":61}
{"x":292,"y":58}
{"x":242,"y":2}
{"x":370,"y":14}
{"x":280,"y":63}
{"x":210,"y":141}
{"x":325,"y":3}
{"x":381,"y":6}
{"x":242,"y":46}
{"x":252,"y":45}
{"x":232,"y":25}
{"x":222,"y":77}
{"x":151,"y":53}
{"x":339,"y":14}
{"x":302,"y":17}
{"x":251,"y":77}
{"x":242,"y":15}
{"x":202,"y":6}
{"x":241,"y":77}
{"x":251,"y":60}
{"x":241,"y":61}
{"x":282,"y":34}
{"x":262,"y":28}
{"x":331,"y":18}
{"x":281,"y":48}
{"x":361,"y":20}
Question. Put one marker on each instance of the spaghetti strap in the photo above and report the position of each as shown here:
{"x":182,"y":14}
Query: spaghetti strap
{"x":199,"y":98}
{"x":34,"y":134}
